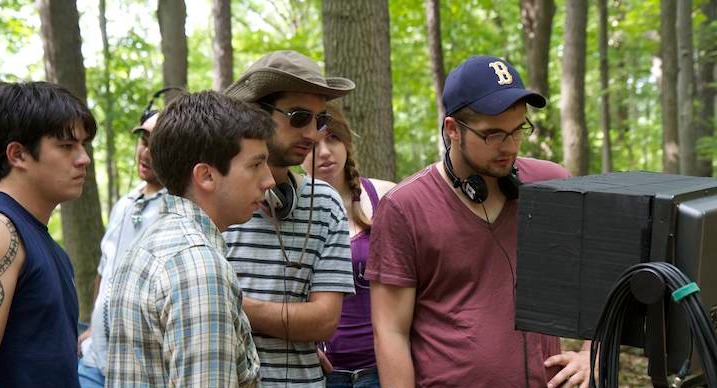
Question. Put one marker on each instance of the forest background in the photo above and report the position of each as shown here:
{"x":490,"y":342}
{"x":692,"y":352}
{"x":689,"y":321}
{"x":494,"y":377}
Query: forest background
{"x":630,"y":83}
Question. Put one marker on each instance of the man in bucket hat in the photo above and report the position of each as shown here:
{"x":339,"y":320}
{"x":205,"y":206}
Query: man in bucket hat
{"x":292,"y":258}
{"x":443,"y":250}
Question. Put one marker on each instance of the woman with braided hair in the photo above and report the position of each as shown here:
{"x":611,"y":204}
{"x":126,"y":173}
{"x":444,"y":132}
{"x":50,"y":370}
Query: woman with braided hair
{"x":350,"y":350}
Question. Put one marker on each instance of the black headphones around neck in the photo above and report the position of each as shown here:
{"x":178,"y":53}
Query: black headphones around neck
{"x":148,"y":111}
{"x":474,"y":187}
{"x":281,"y":199}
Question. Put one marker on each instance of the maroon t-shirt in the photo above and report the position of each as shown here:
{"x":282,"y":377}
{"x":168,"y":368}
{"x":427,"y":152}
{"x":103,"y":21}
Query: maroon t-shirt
{"x":463,"y":330}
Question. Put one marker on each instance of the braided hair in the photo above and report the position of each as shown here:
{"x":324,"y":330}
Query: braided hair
{"x":339,"y":127}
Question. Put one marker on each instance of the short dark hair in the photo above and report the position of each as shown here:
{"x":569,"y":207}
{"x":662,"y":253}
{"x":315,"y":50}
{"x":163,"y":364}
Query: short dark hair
{"x":204,"y":127}
{"x":30,"y":111}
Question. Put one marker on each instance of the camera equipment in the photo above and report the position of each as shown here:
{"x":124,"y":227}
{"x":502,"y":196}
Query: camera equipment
{"x":577,"y":238}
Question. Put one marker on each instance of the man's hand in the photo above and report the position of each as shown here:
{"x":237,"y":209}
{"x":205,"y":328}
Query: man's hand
{"x":85,"y":335}
{"x":575,"y":372}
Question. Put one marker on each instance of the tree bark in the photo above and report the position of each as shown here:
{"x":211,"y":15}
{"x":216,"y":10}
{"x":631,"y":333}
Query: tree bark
{"x":172,"y":15}
{"x":356,"y":46}
{"x":685,"y":89}
{"x":536,"y":16}
{"x":435,"y":52}
{"x":110,"y":166}
{"x":537,"y":20}
{"x":706,"y":90}
{"x":572,"y":90}
{"x":670,"y":140}
{"x":604,"y":87}
{"x":223,"y":51}
{"x":81,"y":219}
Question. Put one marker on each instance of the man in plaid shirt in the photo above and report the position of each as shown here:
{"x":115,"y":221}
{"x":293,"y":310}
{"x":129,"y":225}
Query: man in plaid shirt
{"x":175,"y":302}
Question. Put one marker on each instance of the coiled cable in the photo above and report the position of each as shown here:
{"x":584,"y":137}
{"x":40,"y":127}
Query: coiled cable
{"x":606,"y":342}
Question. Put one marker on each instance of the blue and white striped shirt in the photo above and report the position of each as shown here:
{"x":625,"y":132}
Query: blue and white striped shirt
{"x":256,"y":256}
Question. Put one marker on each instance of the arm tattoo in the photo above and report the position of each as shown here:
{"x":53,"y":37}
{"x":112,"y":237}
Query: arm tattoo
{"x":10,"y":255}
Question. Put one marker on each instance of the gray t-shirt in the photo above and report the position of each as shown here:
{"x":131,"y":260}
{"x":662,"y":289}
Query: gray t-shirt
{"x":255,"y":254}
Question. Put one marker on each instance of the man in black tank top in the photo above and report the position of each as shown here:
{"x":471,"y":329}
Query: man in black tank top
{"x":43,"y":133}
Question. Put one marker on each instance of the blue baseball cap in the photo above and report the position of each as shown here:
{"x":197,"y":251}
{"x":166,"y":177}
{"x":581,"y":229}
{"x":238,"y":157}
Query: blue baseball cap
{"x":487,"y":85}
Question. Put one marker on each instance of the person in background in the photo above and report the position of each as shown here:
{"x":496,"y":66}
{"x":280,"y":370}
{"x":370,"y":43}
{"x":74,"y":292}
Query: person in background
{"x":350,"y":350}
{"x":292,"y":258}
{"x":175,"y":302}
{"x":443,"y":250}
{"x":44,"y":131}
{"x":129,"y":218}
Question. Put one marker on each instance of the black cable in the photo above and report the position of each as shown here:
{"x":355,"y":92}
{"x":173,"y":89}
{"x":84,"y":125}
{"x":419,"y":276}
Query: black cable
{"x":514,"y":285}
{"x":606,"y":341}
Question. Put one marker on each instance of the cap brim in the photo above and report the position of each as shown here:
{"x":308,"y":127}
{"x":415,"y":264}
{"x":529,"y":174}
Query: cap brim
{"x":499,"y":101}
{"x":261,"y":83}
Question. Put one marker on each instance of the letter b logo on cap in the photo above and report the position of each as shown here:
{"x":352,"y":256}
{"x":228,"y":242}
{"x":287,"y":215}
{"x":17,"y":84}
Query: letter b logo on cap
{"x":501,"y":70}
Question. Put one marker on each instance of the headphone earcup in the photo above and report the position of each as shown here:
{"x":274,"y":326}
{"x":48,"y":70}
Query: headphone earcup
{"x":282,"y":199}
{"x":474,"y":188}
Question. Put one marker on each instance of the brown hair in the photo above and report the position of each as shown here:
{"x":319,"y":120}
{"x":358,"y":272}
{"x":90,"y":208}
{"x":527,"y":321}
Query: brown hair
{"x":339,"y":127}
{"x":204,"y":127}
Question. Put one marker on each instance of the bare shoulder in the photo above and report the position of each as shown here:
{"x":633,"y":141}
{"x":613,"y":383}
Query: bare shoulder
{"x":382,"y":186}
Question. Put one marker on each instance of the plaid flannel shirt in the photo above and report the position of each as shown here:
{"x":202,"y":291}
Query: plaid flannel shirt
{"x":175,"y":308}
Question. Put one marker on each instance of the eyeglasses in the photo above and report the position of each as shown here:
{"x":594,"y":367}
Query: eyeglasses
{"x":496,"y":138}
{"x":300,"y":118}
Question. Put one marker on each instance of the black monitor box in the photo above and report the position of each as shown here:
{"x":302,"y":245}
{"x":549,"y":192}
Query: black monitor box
{"x":577,"y":236}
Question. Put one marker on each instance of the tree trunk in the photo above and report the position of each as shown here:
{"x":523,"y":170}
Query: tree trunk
{"x":705,"y":114}
{"x":685,"y":89}
{"x":572,"y":89}
{"x":604,"y":88}
{"x":111,"y":168}
{"x":670,"y":142}
{"x":223,"y":52}
{"x":356,"y":46}
{"x":172,"y":15}
{"x":537,"y":19}
{"x":435,"y":52}
{"x":81,"y":219}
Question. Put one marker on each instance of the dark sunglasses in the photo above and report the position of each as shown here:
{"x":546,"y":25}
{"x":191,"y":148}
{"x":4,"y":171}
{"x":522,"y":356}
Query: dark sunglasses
{"x":300,"y":118}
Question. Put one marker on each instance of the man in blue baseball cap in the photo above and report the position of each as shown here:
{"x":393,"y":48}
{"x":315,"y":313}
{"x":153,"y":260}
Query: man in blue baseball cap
{"x":443,"y":250}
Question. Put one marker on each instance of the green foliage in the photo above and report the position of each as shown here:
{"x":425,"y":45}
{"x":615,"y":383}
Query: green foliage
{"x":638,"y":140}
{"x":468,"y":28}
{"x":19,"y":27}
{"x":261,"y":27}
{"x":415,"y":127}
{"x":135,"y":73}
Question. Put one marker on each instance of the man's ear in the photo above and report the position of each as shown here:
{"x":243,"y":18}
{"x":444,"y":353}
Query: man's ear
{"x":450,"y":128}
{"x":204,"y":177}
{"x":16,"y":154}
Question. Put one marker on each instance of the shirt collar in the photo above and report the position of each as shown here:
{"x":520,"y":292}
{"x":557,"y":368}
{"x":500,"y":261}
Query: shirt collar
{"x":187,"y":208}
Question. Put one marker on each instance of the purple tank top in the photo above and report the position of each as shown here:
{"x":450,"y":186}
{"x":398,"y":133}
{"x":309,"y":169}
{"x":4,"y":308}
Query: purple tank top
{"x":351,"y":346}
